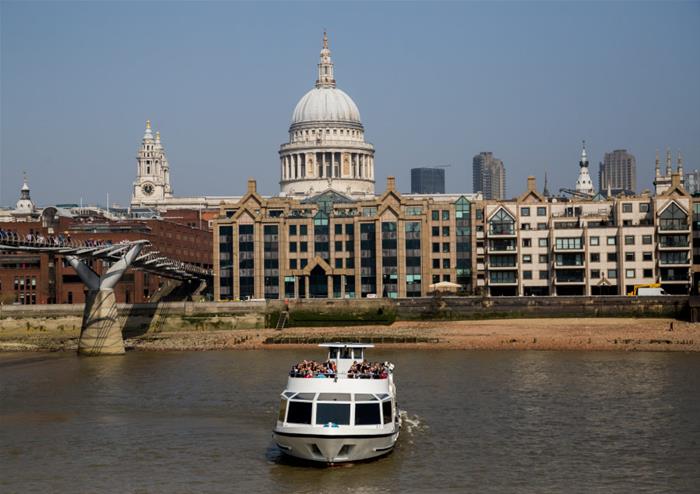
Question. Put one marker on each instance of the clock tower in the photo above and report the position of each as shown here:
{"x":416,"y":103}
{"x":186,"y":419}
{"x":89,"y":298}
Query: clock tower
{"x":152,"y":183}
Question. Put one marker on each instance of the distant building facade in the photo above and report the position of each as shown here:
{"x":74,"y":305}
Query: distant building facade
{"x":692,"y":182}
{"x":663,"y":182}
{"x":489,"y":176}
{"x":618,"y":173}
{"x":427,"y":180}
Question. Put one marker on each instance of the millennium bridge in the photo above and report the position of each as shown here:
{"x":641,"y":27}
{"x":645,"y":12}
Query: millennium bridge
{"x":101,"y":329}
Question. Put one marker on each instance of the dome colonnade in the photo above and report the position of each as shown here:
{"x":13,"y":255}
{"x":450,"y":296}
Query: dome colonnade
{"x":326,"y":148}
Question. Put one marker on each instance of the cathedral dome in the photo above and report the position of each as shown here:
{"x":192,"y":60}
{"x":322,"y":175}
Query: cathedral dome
{"x":326,"y":104}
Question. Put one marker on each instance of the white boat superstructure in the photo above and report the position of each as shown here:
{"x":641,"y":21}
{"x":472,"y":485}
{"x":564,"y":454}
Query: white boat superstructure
{"x":341,"y":410}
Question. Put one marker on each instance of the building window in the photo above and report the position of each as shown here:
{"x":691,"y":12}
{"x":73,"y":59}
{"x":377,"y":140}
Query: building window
{"x":527,"y":259}
{"x":339,"y":263}
{"x":627,"y":207}
{"x":673,"y":218}
{"x":349,"y":229}
{"x":435,"y":231}
{"x":629,"y":239}
{"x":445,"y":215}
{"x":436,"y":263}
{"x":541,"y":226}
{"x":524,"y":211}
{"x":544,"y":274}
{"x":292,"y":246}
{"x":543,"y":242}
{"x":612,"y":240}
{"x":527,"y":242}
{"x":304,"y":246}
{"x":595,"y":257}
{"x":292,"y":264}
{"x":648,"y":273}
{"x":445,"y":264}
{"x":527,"y":275}
{"x":292,"y":229}
{"x":435,"y":215}
{"x":647,"y":239}
{"x":629,"y":273}
{"x":303,"y":230}
{"x":544,"y":258}
{"x":303,"y":263}
{"x":647,"y":256}
{"x":568,"y":243}
{"x":612,"y":256}
{"x":339,"y":246}
{"x":338,"y":228}
{"x":445,"y":231}
{"x":501,"y":223}
{"x":643,"y":207}
{"x":594,"y":241}
{"x":541,"y":211}
{"x":445,"y":246}
{"x":612,"y":274}
{"x":436,"y":246}
{"x":629,"y":256}
{"x":595,"y":274}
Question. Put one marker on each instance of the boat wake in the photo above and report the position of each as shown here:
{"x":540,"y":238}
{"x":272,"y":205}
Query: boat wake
{"x":412,"y":424}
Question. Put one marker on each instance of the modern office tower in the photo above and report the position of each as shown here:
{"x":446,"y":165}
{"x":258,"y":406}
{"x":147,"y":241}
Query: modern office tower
{"x":489,"y":176}
{"x":427,"y":180}
{"x":618,"y":172}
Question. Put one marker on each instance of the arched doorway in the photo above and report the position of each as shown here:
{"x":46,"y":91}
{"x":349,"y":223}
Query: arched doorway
{"x":318,"y":283}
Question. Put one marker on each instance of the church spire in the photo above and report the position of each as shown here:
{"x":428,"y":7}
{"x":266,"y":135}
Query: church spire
{"x":679,"y":168}
{"x":325,"y":67}
{"x":545,"y":191}
{"x":669,"y":168}
{"x":658,"y":166}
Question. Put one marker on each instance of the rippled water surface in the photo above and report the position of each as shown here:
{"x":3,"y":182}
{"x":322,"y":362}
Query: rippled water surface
{"x":476,"y":422}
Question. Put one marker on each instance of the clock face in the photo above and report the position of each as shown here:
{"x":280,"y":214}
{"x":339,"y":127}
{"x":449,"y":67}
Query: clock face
{"x":147,"y":189}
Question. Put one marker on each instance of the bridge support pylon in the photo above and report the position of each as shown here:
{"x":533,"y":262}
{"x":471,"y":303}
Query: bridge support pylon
{"x":101,"y":330}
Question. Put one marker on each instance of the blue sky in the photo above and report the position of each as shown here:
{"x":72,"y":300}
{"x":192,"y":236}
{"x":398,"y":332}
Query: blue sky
{"x":436,"y":82}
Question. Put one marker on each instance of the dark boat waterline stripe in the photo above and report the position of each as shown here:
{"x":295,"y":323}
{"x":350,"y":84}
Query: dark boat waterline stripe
{"x":324,"y":436}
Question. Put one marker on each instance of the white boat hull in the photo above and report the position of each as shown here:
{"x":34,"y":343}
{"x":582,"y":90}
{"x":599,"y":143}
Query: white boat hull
{"x":335,"y":449}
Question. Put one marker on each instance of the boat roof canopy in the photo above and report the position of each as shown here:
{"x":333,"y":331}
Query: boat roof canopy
{"x":346,"y":345}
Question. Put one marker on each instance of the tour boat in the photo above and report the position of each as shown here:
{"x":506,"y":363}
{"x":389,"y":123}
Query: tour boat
{"x":343,"y":410}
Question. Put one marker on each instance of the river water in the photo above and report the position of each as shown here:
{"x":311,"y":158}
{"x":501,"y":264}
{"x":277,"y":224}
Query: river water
{"x":475,"y":422}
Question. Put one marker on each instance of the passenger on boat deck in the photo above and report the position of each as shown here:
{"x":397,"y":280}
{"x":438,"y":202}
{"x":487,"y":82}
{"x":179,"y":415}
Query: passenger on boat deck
{"x":367,"y":370}
{"x":311,"y":368}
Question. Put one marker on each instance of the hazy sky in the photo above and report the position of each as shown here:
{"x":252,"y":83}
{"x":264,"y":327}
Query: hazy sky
{"x":436,"y":82}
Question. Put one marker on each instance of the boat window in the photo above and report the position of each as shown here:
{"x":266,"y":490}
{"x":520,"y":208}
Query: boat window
{"x":381,"y":396}
{"x":289,"y":394}
{"x":334,"y":397}
{"x":386,"y":411}
{"x":283,"y":410}
{"x":346,"y":353}
{"x":367,"y":414}
{"x":305,"y":396}
{"x":299,"y":412}
{"x":335,"y":413}
{"x":332,"y":353}
{"x":364,"y":397}
{"x":359,"y":354}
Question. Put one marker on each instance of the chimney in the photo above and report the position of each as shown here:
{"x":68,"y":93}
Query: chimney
{"x":390,"y":183}
{"x":251,"y":186}
{"x":531,"y":184}
{"x":675,"y":179}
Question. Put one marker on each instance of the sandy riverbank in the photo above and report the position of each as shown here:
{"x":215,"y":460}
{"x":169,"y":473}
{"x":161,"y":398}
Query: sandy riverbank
{"x":508,"y":334}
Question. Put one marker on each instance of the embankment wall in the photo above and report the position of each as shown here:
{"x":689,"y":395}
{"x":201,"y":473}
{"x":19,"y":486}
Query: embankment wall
{"x":191,"y":316}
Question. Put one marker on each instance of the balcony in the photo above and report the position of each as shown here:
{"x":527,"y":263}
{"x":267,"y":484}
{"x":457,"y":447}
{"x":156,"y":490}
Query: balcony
{"x":568,"y":277}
